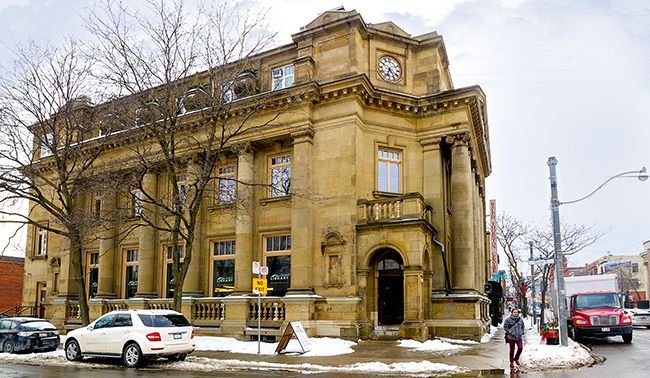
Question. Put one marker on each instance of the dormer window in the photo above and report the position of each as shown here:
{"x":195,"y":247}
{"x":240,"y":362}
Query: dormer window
{"x":47,"y":141}
{"x":282,"y":77}
{"x":228,"y":92}
{"x":195,"y":99}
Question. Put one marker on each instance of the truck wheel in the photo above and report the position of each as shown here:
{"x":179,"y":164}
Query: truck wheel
{"x":627,"y":338}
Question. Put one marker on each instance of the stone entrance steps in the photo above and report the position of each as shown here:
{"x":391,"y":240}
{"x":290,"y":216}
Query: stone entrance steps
{"x":390,"y":332}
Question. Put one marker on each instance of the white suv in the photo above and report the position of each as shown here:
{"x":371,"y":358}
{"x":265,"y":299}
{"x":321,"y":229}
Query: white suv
{"x":133,"y":335}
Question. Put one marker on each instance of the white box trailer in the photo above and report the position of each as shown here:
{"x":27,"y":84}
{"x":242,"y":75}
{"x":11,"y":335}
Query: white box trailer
{"x":586,"y":284}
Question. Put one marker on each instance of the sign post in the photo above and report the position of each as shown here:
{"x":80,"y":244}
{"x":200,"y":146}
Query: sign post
{"x":259,"y":288}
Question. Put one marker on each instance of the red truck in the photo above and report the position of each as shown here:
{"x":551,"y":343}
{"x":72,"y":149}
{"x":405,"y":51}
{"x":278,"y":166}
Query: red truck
{"x":595,"y":308}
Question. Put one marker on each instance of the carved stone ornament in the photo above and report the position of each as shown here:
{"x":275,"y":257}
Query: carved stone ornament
{"x":303,"y":134}
{"x":458,"y":139}
{"x":431,"y":141}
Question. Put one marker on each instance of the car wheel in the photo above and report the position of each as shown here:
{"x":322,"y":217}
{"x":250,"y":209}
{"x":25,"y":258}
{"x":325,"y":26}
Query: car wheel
{"x":8,"y":346}
{"x":132,"y":355}
{"x":72,"y":350}
{"x":627,"y":338}
{"x":177,"y":357}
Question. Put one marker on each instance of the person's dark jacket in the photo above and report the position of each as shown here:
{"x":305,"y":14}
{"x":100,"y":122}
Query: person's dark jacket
{"x":514,"y":328}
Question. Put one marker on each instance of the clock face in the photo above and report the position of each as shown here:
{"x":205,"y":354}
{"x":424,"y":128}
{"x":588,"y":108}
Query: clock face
{"x":389,"y":69}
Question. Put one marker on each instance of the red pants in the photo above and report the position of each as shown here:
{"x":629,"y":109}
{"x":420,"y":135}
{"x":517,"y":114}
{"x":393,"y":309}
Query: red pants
{"x":520,"y":346}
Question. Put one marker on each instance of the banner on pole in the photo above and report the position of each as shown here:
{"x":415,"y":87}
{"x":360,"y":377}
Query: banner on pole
{"x":493,"y":238}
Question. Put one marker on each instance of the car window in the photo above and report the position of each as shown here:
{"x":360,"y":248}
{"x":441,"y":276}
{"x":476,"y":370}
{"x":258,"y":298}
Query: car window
{"x":167,"y":320}
{"x":104,"y":322}
{"x":38,"y":325}
{"x":5,"y":324}
{"x":123,"y":320}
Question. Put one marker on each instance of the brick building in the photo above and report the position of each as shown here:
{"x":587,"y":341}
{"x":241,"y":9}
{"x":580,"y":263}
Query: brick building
{"x":11,"y":281}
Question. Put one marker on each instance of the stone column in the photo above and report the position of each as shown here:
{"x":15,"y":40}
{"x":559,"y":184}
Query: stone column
{"x":463,"y":269}
{"x":244,"y":221}
{"x":107,"y":252}
{"x":147,"y":241}
{"x":433,"y":193}
{"x":301,"y":211}
{"x":192,"y":283}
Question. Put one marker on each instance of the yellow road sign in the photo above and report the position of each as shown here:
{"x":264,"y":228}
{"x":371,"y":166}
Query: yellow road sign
{"x":259,"y":286}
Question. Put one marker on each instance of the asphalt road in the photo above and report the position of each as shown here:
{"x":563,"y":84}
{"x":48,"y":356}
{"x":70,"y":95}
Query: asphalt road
{"x":622,"y":360}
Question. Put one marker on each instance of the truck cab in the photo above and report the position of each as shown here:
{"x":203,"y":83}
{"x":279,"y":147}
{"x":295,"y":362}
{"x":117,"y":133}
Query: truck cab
{"x":598,"y":314}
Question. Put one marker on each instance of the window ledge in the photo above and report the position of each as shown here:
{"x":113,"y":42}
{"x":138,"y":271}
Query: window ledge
{"x":266,"y":201}
{"x":379,"y":194}
{"x":38,"y":257}
{"x":221,"y":206}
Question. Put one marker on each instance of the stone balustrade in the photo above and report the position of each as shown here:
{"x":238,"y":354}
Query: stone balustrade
{"x":208,"y":311}
{"x":271,"y":314}
{"x":406,"y":207}
{"x":72,"y":313}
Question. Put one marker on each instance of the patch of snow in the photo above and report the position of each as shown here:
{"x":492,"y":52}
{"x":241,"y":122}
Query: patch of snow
{"x":488,"y":336}
{"x":435,"y":345}
{"x":458,"y":341}
{"x":424,"y":368}
{"x":320,"y":346}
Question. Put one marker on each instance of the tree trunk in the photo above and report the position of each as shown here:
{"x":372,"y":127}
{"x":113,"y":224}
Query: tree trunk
{"x":76,"y":253}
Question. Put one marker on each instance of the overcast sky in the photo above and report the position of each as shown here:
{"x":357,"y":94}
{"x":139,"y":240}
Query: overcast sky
{"x":568,"y":79}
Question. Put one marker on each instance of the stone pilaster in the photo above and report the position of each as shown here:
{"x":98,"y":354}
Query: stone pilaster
{"x":433,"y":193}
{"x":244,"y":221}
{"x":193,"y":279}
{"x":108,"y":256}
{"x":463,"y":268}
{"x":301,"y":211}
{"x":147,"y":241}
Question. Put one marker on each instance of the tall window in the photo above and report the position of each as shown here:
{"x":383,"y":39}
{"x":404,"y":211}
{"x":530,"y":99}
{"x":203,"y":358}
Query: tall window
{"x":132,"y":257}
{"x":277,"y":251}
{"x":40,"y":249}
{"x":169,"y":276}
{"x":226,"y":184}
{"x":92,"y":274}
{"x":136,"y":203}
{"x":97,"y":204}
{"x":183,"y":191}
{"x":389,"y":163}
{"x":223,"y":267}
{"x":282,"y":77}
{"x":280,"y":175}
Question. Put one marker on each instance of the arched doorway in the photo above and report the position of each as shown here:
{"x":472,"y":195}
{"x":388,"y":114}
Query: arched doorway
{"x":390,"y":288}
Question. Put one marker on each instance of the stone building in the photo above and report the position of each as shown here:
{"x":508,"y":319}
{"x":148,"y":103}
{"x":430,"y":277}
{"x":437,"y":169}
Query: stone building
{"x":393,"y":239}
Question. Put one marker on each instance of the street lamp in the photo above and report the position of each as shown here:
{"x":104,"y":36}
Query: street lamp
{"x":557,"y":237}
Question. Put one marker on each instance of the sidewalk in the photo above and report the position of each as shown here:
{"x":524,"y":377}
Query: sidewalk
{"x":480,"y":359}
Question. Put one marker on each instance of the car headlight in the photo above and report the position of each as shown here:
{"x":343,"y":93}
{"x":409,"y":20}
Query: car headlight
{"x":580,"y":322}
{"x":25,"y":334}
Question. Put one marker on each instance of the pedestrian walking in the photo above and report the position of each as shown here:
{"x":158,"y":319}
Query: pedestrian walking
{"x":514,"y":327}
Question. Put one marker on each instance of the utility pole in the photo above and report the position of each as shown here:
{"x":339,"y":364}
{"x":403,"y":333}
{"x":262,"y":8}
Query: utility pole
{"x":559,"y":263}
{"x":532,"y":280}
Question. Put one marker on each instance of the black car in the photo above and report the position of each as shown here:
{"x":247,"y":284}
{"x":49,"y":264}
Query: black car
{"x":27,"y":334}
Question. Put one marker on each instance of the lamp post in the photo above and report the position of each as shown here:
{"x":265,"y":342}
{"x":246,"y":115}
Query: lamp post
{"x":532,"y":279}
{"x":557,"y":238}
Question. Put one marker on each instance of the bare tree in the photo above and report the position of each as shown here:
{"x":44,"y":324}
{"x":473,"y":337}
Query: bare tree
{"x":511,"y":235}
{"x":187,"y":82}
{"x":575,"y":238}
{"x":45,"y":116}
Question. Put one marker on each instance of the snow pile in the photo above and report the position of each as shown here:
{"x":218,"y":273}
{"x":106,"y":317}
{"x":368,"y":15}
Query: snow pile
{"x":547,"y":357}
{"x":436,"y":345}
{"x":419,"y":368}
{"x":538,"y":356}
{"x":320,"y":346}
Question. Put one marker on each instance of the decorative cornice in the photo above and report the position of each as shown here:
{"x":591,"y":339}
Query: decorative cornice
{"x":430,"y":141}
{"x":303,"y":133}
